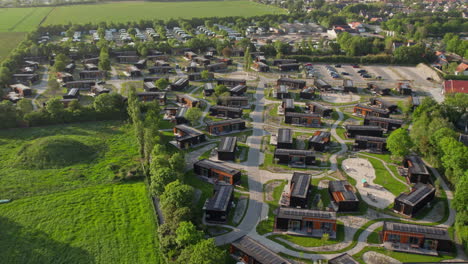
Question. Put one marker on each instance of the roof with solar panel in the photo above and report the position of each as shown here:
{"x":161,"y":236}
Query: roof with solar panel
{"x":342,"y":191}
{"x":299,"y":213}
{"x":300,"y":184}
{"x":320,"y":137}
{"x":209,"y":164}
{"x":420,"y":192}
{"x":433,"y":232}
{"x":416,"y":166}
{"x":343,"y":259}
{"x":258,"y":251}
{"x":299,"y":152}
{"x":227,"y":144}
{"x":223,"y":122}
{"x":285,"y":135}
{"x":221,"y":198}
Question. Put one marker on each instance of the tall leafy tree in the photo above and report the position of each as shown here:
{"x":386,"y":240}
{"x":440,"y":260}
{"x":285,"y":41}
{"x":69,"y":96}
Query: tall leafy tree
{"x":399,"y":142}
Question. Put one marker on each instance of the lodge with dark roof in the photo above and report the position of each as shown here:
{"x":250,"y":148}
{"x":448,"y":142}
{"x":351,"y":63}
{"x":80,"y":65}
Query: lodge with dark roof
{"x":294,"y":157}
{"x":291,"y":83}
{"x":288,"y":105}
{"x":282,"y":92}
{"x":226,"y":111}
{"x":416,"y":170}
{"x":321,"y":84}
{"x":248,"y":250}
{"x":208,"y":89}
{"x":217,"y":207}
{"x":160,"y":69}
{"x":305,"y":222}
{"x":364,"y":110}
{"x":389,"y":124}
{"x":319,"y":140}
{"x":343,"y":259}
{"x":180,"y":84}
{"x":410,"y":203}
{"x":384,"y":104}
{"x":288,"y":67}
{"x":186,"y":136}
{"x":217,"y":171}
{"x":299,"y":190}
{"x":354,"y":130}
{"x":417,"y":239}
{"x":187,"y":100}
{"x":82,"y":85}
{"x":225,"y":126}
{"x":302,"y":119}
{"x":307,"y":93}
{"x":374,"y":144}
{"x":73,"y":93}
{"x":343,"y":196}
{"x":228,"y":82}
{"x":150,"y":87}
{"x":320,"y":109}
{"x":151,"y":96}
{"x":234,"y":101}
{"x":227,"y":148}
{"x":215,"y":67}
{"x":238,"y":90}
{"x":285,"y":138}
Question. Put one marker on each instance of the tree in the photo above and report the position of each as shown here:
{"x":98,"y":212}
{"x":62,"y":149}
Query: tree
{"x":177,"y":162}
{"x":8,"y":114}
{"x":455,"y":158}
{"x":52,"y":85}
{"x":5,"y":76}
{"x":227,"y":52}
{"x":55,"y":108}
{"x":176,"y":195}
{"x":193,"y":114}
{"x":247,"y":59}
{"x":160,"y":178}
{"x":187,"y":234}
{"x":162,"y":83}
{"x":325,"y":238}
{"x":220,"y":89}
{"x":399,"y":142}
{"x":205,"y":75}
{"x":24,"y":106}
{"x":108,"y":103}
{"x":204,"y":252}
{"x":104,"y":60}
{"x":60,"y":62}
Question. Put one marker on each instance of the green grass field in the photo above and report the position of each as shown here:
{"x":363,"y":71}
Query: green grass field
{"x":21,"y":19}
{"x":134,"y":11}
{"x":110,"y":223}
{"x":9,"y":41}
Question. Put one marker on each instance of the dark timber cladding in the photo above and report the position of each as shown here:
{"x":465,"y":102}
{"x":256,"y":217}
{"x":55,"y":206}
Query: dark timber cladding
{"x":377,"y":144}
{"x":319,"y":109}
{"x":388,"y":124}
{"x":180,"y":84}
{"x":231,"y":82}
{"x":288,"y":105}
{"x":307,"y":93}
{"x":299,"y":190}
{"x":225,"y":126}
{"x":365,"y":110}
{"x":151,"y":96}
{"x":285,"y":138}
{"x":251,"y":251}
{"x":302,"y":119}
{"x":410,"y":203}
{"x":208,"y":89}
{"x":160,"y":69}
{"x":343,"y":196}
{"x":227,"y":148}
{"x":419,"y":236}
{"x":217,"y":207}
{"x":289,"y":67}
{"x":188,"y":136}
{"x":354,"y":130}
{"x":343,"y":259}
{"x":187,"y":99}
{"x":321,"y":84}
{"x":238,"y":90}
{"x":292,"y":83}
{"x":391,"y":107}
{"x":82,"y":85}
{"x":282,"y":92}
{"x":417,"y":170}
{"x":234,"y":101}
{"x":217,"y":171}
{"x":294,"y":157}
{"x":305,"y":220}
{"x":319,"y":140}
{"x":226,"y":111}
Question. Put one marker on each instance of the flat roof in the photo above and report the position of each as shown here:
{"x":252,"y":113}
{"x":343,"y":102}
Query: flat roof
{"x":227,"y":144}
{"x":369,"y":138}
{"x":209,"y":86}
{"x":258,"y":251}
{"x":220,"y":199}
{"x":343,"y":259}
{"x":302,"y":114}
{"x":300,"y":213}
{"x":285,"y":135}
{"x":384,"y":119}
{"x":288,"y":103}
{"x":209,"y":164}
{"x":294,"y":152}
{"x":433,"y":232}
{"x":300,"y":184}
{"x":228,"y":121}
{"x":419,"y":192}
{"x":362,"y":127}
{"x":374,"y":109}
{"x":226,"y":108}
{"x":189,"y":130}
{"x":238,"y":88}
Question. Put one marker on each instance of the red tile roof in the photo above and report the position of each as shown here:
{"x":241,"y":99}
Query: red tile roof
{"x":453,"y":86}
{"x":462,"y":67}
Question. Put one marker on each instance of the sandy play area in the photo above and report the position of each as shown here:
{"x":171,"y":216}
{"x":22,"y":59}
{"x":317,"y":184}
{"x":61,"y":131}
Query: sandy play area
{"x":373,"y":194}
{"x":340,"y":98}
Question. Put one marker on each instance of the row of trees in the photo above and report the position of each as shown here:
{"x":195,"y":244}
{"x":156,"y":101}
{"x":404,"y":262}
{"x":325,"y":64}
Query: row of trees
{"x":434,"y":135}
{"x":180,"y":240}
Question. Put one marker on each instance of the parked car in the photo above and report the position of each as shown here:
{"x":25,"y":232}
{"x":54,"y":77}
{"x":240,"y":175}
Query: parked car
{"x":355,"y":66}
{"x":338,"y":66}
{"x":366,"y":76}
{"x":344,"y":73}
{"x":362,"y":71}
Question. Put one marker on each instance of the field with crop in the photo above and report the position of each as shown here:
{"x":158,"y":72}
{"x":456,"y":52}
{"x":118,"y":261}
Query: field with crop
{"x":135,"y":11}
{"x":70,"y":204}
{"x":21,"y":19}
{"x":9,"y":41}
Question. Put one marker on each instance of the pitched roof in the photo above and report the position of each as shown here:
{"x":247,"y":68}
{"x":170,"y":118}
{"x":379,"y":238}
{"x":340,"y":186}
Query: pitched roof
{"x":294,"y":114}
{"x":456,"y":86}
{"x":300,"y":184}
{"x":419,"y":192}
{"x":222,"y":122}
{"x":416,"y":165}
{"x":369,"y":138}
{"x":299,"y":213}
{"x":294,"y":152}
{"x":320,"y":136}
{"x":462,"y":67}
{"x":285,"y":135}
{"x":431,"y":232}
{"x":209,"y":164}
{"x":220,"y":200}
{"x":384,"y":119}
{"x":258,"y":251}
{"x":360,"y":127}
{"x":374,"y":109}
{"x":227,"y":144}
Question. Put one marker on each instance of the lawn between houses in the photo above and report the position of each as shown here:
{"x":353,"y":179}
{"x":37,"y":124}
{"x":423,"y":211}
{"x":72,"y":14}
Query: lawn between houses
{"x":74,"y":207}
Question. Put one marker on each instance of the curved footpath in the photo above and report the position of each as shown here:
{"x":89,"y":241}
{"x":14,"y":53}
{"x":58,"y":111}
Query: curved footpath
{"x":258,"y":210}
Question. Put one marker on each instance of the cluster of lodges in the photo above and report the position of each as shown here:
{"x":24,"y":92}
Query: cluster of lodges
{"x":260,"y":63}
{"x":22,"y":81}
{"x":204,"y":62}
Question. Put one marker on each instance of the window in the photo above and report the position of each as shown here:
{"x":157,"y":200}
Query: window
{"x":414,"y":240}
{"x":227,"y":179}
{"x":394,"y":238}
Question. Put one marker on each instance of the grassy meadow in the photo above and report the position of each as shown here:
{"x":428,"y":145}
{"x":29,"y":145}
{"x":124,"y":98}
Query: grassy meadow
{"x":9,"y":41}
{"x":22,"y":19}
{"x":68,"y":206}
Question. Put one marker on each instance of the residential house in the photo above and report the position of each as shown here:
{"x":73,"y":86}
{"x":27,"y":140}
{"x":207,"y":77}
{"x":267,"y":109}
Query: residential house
{"x":282,"y":92}
{"x":455,"y":86}
{"x":462,"y":69}
{"x":234,"y":101}
{"x":355,"y":130}
{"x":227,"y":148}
{"x":365,"y":110}
{"x":128,"y":59}
{"x":416,"y":170}
{"x":141,"y":64}
{"x":294,"y":157}
{"x":291,"y":83}
{"x":344,"y":258}
{"x":343,"y":196}
{"x":307,"y":93}
{"x":288,"y":67}
{"x":299,"y":190}
{"x":389,"y":124}
{"x":99,"y":89}
{"x":180,"y":116}
{"x":161,"y":70}
{"x":197,"y":76}
{"x":225,"y":126}
{"x":187,"y":136}
{"x":319,"y":140}
{"x":384,"y":104}
{"x":228,"y":82}
{"x":404,"y":88}
{"x":91,"y":67}
{"x":190,"y":55}
{"x":285,"y":139}
{"x":417,"y":239}
{"x":180,"y":84}
{"x":151,"y":96}
{"x":217,"y":207}
{"x":187,"y":100}
{"x":374,"y":144}
{"x":322,"y":85}
{"x":133,"y":71}
{"x":238,"y":90}
{"x":260,"y":67}
{"x":216,"y":67}
{"x":302,"y":119}
{"x":73,"y":93}
{"x":226,"y":111}
{"x":82,"y":85}
{"x":208,"y":89}
{"x":91,"y":75}
{"x":201,"y":61}
{"x":320,"y":109}
{"x":288,"y":105}
{"x":21,"y":89}
{"x":25,"y":78}
{"x":64,"y":77}
{"x":248,"y":250}
{"x":348,"y":86}
{"x":217,"y":171}
{"x":305,"y":222}
{"x":410,"y":203}
{"x":150,"y":87}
